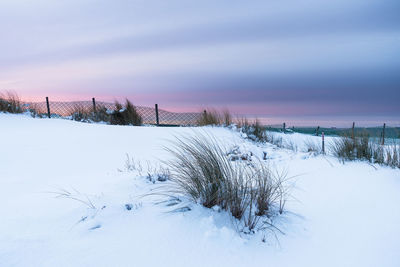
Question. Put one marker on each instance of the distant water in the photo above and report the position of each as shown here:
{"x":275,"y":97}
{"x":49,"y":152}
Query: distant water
{"x":328,"y":121}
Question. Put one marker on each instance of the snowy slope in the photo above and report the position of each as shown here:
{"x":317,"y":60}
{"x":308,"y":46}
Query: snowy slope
{"x":340,"y":215}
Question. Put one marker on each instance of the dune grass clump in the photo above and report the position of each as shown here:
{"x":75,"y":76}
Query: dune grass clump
{"x":101,"y":114}
{"x":209,"y":117}
{"x":392,"y":158}
{"x":378,"y":154}
{"x":214,"y":117}
{"x":87,"y":114}
{"x":358,"y":147}
{"x":82,"y":113}
{"x":36,"y":111}
{"x":227,"y":117}
{"x":202,"y":171}
{"x":313,"y":146}
{"x":10,"y":102}
{"x":363,"y":148}
{"x":125,"y":115}
{"x":254,"y":131}
{"x":242,"y":124}
{"x":258,"y":131}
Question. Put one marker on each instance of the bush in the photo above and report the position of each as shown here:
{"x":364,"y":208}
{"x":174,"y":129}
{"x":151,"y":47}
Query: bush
{"x":201,"y":170}
{"x":10,"y":102}
{"x":126,"y":115}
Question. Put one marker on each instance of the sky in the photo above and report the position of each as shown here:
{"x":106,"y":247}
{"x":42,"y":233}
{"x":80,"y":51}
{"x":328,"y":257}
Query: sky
{"x":308,"y":59}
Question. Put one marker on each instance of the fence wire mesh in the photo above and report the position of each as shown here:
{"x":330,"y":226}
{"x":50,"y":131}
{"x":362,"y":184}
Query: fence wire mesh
{"x":99,"y":110}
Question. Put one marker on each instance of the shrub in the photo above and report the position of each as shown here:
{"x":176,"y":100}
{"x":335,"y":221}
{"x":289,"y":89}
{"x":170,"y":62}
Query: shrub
{"x":125,"y":115}
{"x":10,"y":102}
{"x":201,"y":170}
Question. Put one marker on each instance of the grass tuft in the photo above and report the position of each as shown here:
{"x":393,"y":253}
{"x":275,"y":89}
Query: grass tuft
{"x":201,"y":170}
{"x":214,"y":117}
{"x":82,"y":113}
{"x":10,"y":102}
{"x":125,"y":115}
{"x":209,"y":117}
{"x":359,"y":147}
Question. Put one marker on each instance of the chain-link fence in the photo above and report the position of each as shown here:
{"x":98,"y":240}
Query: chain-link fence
{"x":98,"y":111}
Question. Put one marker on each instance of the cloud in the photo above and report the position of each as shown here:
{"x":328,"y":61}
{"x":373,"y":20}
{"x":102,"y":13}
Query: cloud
{"x":341,"y":55}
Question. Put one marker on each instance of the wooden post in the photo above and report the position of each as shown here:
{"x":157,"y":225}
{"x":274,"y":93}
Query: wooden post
{"x":323,"y":143}
{"x":94,"y":105}
{"x":352,"y":131}
{"x":383,"y":134}
{"x":157,"y":119}
{"x":317,"y":131}
{"x":284,"y":127}
{"x":48,"y":107}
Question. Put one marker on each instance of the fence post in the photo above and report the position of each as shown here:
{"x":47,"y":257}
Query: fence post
{"x":48,"y":107}
{"x":323,"y":142}
{"x":317,"y":131}
{"x":157,"y":120}
{"x":94,"y":105}
{"x":383,"y":134}
{"x":352,"y":131}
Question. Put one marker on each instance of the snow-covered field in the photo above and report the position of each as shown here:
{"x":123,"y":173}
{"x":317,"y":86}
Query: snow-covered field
{"x":339,"y":215}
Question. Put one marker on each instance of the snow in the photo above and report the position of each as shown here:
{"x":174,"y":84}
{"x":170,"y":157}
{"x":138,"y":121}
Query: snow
{"x":339,"y":214}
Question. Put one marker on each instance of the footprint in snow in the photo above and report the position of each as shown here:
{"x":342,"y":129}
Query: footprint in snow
{"x":95,"y":227}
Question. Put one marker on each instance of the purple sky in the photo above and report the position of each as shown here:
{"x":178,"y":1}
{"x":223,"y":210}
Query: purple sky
{"x":266,"y":58}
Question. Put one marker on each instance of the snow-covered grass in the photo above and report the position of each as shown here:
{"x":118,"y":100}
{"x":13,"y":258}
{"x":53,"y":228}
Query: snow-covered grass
{"x":67,"y":199}
{"x":215,"y":177}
